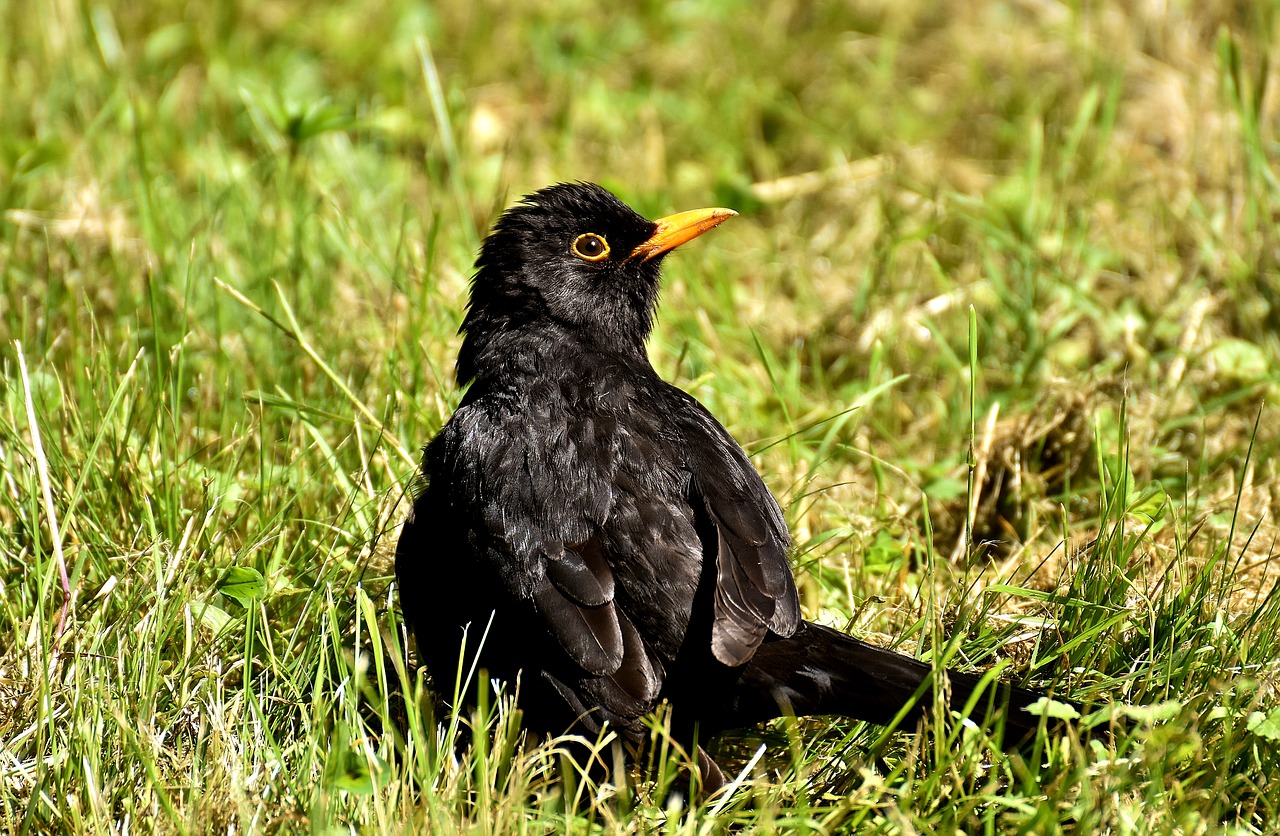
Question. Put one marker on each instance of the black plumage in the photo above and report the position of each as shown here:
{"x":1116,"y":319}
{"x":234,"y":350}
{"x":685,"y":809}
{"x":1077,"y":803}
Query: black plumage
{"x":598,"y":525}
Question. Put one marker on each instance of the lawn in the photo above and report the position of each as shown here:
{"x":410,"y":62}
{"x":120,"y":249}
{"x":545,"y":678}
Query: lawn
{"x":999,"y":324}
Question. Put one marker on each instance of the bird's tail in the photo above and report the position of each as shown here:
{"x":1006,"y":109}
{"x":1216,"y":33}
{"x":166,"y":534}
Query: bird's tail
{"x":823,"y":671}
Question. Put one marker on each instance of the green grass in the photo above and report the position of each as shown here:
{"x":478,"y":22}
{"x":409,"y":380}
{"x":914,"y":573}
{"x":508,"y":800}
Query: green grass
{"x":998,"y":324}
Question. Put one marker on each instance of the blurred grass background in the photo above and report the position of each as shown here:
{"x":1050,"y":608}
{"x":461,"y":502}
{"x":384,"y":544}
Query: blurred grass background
{"x":999,"y":324}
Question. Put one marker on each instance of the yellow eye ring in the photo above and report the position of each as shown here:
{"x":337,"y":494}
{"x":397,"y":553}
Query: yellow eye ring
{"x":591,"y":247}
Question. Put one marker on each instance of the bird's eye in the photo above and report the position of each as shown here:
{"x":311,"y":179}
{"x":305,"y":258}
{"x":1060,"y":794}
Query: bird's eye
{"x":591,"y":247}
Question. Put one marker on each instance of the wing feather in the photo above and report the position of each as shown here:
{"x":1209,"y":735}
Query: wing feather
{"x":590,"y":635}
{"x":755,"y":589}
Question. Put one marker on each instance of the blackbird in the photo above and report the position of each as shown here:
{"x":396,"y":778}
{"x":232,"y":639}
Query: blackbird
{"x":593,"y":533}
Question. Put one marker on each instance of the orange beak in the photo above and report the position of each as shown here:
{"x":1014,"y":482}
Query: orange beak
{"x":674,"y":230}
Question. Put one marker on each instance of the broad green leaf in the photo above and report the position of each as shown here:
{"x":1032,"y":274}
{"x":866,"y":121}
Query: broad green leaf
{"x":243,"y":584}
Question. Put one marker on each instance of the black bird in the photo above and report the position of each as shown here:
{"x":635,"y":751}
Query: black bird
{"x":598,"y":526}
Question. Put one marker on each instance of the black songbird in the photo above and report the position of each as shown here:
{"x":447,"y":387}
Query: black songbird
{"x":601,"y":530}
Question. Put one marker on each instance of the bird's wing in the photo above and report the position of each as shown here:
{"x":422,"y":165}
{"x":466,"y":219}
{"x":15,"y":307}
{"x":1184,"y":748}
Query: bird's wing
{"x":755,"y":590}
{"x":540,"y":508}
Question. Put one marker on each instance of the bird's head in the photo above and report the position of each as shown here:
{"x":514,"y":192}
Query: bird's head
{"x":576,"y":256}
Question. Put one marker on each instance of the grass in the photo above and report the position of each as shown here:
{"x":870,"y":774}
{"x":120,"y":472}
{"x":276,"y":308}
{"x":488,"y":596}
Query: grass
{"x":998,"y":325}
